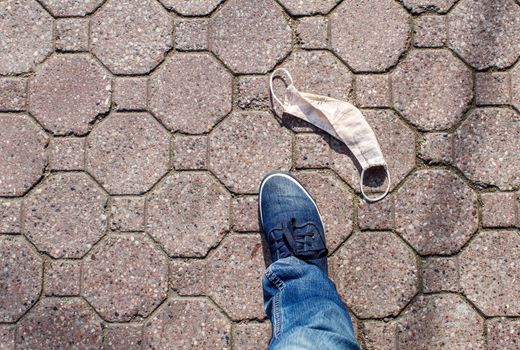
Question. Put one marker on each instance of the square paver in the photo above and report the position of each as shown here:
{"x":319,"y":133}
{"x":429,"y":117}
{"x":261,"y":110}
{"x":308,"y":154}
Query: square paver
{"x":10,"y":211}
{"x":430,"y":31}
{"x":190,"y":152}
{"x":67,"y":153}
{"x":12,"y":94}
{"x":492,"y":88}
{"x":311,"y":32}
{"x":63,"y":278}
{"x":72,"y":34}
{"x":127,"y":213}
{"x":373,"y":90}
{"x":244,"y":212}
{"x":440,"y":274}
{"x":130,"y":93}
{"x":498,"y":209}
{"x":191,"y":34}
{"x":253,"y":92}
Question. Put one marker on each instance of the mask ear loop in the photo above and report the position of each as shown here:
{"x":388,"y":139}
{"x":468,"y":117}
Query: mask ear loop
{"x":381,"y":196}
{"x":271,"y":83}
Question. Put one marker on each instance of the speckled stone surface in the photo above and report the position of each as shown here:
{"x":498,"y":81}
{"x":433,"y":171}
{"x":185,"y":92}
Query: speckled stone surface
{"x":379,"y":335}
{"x":376,"y":274}
{"x":251,"y":336}
{"x":52,"y":222}
{"x":10,"y":219}
{"x":432,"y":89}
{"x":489,"y":269}
{"x":130,"y":93}
{"x":63,"y":278}
{"x":191,"y":8}
{"x":485,"y":32}
{"x":21,"y":278}
{"x":250,"y":36}
{"x":436,"y":147}
{"x":373,"y":90}
{"x":515,"y":86}
{"x":312,"y":151}
{"x":22,"y":154}
{"x":503,"y":334}
{"x":436,"y":212}
{"x":66,"y":8}
{"x":68,"y":92}
{"x":363,"y":40}
{"x":312,"y":32}
{"x":124,"y":277}
{"x":72,"y":34}
{"x":311,"y":7}
{"x":190,"y":152}
{"x":430,"y":31}
{"x":244,"y":213}
{"x":13,"y":94}
{"x":127,"y":213}
{"x":376,"y":215}
{"x":67,"y":153}
{"x":181,"y":102}
{"x":124,"y":337}
{"x":131,"y":36}
{"x":7,"y":335}
{"x":498,"y":209}
{"x":492,"y":88}
{"x":191,"y":34}
{"x":253,"y":92}
{"x":188,"y":214}
{"x":440,"y":274}
{"x":419,"y":6}
{"x":188,"y":277}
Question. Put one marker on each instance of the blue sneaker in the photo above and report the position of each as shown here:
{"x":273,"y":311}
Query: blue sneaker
{"x":291,"y":221}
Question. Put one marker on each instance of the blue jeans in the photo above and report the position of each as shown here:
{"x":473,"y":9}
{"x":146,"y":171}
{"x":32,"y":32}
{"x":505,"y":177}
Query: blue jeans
{"x":305,"y":309}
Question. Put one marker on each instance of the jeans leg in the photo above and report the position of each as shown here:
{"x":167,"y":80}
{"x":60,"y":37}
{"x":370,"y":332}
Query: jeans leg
{"x":305,"y":309}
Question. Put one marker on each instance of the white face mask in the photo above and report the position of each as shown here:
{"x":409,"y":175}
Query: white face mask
{"x":340,"y":119}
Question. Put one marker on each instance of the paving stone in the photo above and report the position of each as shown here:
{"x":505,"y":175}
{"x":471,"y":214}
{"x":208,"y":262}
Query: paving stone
{"x":10,"y":211}
{"x":125,"y":337}
{"x":7,"y":334}
{"x":376,"y":274}
{"x":124,"y":277}
{"x":373,"y":90}
{"x":127,"y":213}
{"x":436,"y":212}
{"x":188,"y":214}
{"x":244,"y":211}
{"x":130,"y":93}
{"x":430,"y":31}
{"x":188,"y":277}
{"x":376,"y":215}
{"x":515,"y":86}
{"x":432,"y":89}
{"x":490,"y":271}
{"x":72,"y":34}
{"x":498,"y":209}
{"x":22,"y":154}
{"x":492,"y":88}
{"x":380,"y":335}
{"x":251,"y":336}
{"x":198,"y":325}
{"x":26,"y":36}
{"x":63,"y":278}
{"x":65,"y":78}
{"x":312,"y":7}
{"x":312,"y":151}
{"x":191,"y":8}
{"x":191,"y":34}
{"x":486,"y":145}
{"x":51,"y":219}
{"x":398,"y":144}
{"x":419,"y":6}
{"x":363,"y":40}
{"x":57,"y":323}
{"x":485,"y":33}
{"x":67,"y":153}
{"x":190,"y":152}
{"x":443,"y":321}
{"x":250,"y":36}
{"x":131,"y":36}
{"x":311,"y":32}
{"x":245,"y":147}
{"x":21,"y":278}
{"x":503,"y":334}
{"x":181,"y":102}
{"x":237,"y":265}
{"x":440,"y":274}
{"x":253,"y":92}
{"x":334,"y":202}
{"x":128,"y":153}
{"x":66,"y":8}
{"x":12,"y":94}
{"x":437,"y":147}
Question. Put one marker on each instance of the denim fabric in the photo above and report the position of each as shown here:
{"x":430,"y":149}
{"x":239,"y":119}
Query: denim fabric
{"x":305,"y":309}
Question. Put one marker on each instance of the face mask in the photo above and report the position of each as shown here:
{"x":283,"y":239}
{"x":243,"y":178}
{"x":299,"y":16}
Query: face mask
{"x":340,"y":119}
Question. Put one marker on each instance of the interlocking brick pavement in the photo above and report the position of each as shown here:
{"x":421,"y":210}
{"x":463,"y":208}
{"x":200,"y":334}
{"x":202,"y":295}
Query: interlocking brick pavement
{"x":134,"y":135}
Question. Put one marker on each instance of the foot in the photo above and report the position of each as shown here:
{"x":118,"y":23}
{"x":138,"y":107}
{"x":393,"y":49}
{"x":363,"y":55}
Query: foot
{"x":290,"y":221}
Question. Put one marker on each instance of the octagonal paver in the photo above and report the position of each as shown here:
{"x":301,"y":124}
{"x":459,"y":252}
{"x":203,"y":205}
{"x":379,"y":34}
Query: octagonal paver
{"x":363,"y":40}
{"x":309,"y":7}
{"x":245,"y":147}
{"x":22,"y":154}
{"x":375,"y":273}
{"x":237,"y":265}
{"x":26,"y":35}
{"x":486,"y":147}
{"x":436,"y":212}
{"x":334,"y":202}
{"x":128,"y":153}
{"x":250,"y":36}
{"x":490,"y":271}
{"x":398,"y":144}
{"x":191,"y":8}
{"x":419,"y":6}
{"x":437,"y":322}
{"x":21,"y":276}
{"x":67,"y":8}
{"x":181,"y":102}
{"x":58,"y":323}
{"x":124,"y":277}
{"x":68,"y":92}
{"x":188,"y":214}
{"x":432,"y":89}
{"x":65,"y":215}
{"x":485,"y":32}
{"x":131,"y":36}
